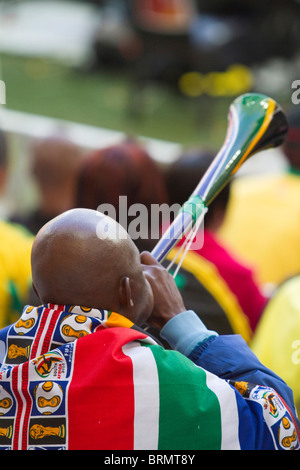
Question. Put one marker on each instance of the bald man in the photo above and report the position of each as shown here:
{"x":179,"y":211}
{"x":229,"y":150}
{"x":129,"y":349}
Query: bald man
{"x":78,"y":372}
{"x":101,"y":265}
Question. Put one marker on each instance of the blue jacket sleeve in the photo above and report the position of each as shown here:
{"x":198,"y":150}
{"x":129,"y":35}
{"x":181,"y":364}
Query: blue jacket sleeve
{"x":230,"y":358}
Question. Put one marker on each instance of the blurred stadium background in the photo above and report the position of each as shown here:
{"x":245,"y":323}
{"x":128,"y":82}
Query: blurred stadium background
{"x":164,"y":71}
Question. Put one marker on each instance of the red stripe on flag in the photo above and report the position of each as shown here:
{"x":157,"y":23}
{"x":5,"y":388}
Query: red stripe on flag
{"x":41,"y":327}
{"x":24,"y":404}
{"x":101,"y":393}
{"x":27,"y":397}
{"x":14,"y":383}
{"x":49,"y":332}
{"x":50,"y":329}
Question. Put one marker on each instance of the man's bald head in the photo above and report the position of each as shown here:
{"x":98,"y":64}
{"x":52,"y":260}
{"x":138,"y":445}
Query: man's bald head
{"x":83,"y":257}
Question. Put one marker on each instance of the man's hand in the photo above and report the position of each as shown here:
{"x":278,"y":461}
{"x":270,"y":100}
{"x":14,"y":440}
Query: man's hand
{"x":167,"y":298}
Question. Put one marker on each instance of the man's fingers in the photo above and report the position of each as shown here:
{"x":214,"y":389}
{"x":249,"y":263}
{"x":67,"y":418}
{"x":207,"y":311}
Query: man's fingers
{"x":148,"y":259}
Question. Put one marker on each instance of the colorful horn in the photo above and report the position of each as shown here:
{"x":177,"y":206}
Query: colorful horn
{"x":255,"y":122}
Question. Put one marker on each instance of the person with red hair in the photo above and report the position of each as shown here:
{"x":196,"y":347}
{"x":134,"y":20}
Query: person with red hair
{"x":124,"y":169}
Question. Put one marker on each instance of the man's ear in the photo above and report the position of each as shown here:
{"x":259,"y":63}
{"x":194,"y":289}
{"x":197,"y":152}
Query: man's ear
{"x":34,"y":290}
{"x":125,"y":296}
{"x":34,"y":298}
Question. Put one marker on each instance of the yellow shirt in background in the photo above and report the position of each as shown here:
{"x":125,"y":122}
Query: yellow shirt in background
{"x":276,"y":341}
{"x":15,"y":271}
{"x":262,"y":225}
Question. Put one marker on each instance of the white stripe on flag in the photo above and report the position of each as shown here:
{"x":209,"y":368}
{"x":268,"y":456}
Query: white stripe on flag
{"x":229,"y":411}
{"x":146,"y":396}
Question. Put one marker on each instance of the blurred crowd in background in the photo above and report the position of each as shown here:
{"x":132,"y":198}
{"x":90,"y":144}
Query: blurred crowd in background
{"x":246,"y":277}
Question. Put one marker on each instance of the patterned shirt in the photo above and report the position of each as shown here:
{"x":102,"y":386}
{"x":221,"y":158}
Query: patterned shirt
{"x":80,"y":378}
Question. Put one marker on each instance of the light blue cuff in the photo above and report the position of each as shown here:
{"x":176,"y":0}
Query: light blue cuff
{"x":185,"y":331}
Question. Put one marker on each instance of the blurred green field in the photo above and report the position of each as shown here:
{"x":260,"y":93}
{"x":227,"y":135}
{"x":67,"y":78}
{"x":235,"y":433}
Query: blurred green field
{"x":109,"y":99}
